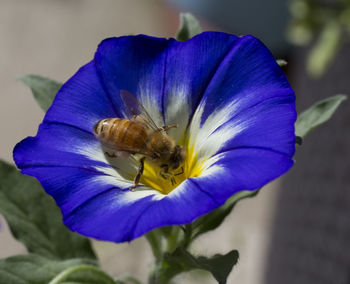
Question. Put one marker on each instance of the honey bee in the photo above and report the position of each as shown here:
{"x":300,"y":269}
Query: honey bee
{"x":140,"y":135}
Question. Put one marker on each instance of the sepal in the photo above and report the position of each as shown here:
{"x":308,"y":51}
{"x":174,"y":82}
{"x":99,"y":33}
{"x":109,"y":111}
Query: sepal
{"x":189,"y":27}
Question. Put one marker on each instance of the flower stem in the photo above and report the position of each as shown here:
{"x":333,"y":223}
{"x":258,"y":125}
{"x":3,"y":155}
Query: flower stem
{"x":172,"y":241}
{"x":156,"y":243}
{"x":187,"y":235}
{"x":162,"y":272}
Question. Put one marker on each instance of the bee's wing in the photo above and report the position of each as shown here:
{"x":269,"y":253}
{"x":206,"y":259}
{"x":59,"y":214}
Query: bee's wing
{"x":135,"y":109}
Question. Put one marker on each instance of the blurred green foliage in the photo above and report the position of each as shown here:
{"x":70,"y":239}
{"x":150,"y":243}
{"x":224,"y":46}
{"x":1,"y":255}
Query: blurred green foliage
{"x":324,"y":24}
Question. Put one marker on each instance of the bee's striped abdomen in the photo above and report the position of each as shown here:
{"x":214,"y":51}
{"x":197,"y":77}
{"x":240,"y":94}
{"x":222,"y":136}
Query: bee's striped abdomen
{"x":121,"y":134}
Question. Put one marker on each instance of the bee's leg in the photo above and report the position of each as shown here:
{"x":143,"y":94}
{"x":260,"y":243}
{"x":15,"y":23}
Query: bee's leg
{"x":182,"y":171}
{"x":163,"y":175}
{"x":167,"y":127}
{"x":165,"y":167}
{"x":164,"y":172}
{"x":138,"y":176}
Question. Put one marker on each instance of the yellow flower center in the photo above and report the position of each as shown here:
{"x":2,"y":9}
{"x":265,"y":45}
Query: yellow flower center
{"x":155,"y":177}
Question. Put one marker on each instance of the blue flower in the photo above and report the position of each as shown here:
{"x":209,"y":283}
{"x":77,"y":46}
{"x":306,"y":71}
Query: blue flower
{"x":235,"y":113}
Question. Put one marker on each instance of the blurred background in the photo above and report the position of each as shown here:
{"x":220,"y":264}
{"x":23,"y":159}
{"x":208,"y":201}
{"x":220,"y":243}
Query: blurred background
{"x":297,"y":230}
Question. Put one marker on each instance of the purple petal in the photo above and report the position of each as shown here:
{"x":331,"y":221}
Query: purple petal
{"x":135,"y":64}
{"x":230,"y":92}
{"x":122,"y":216}
{"x":58,"y":144}
{"x":91,"y":204}
{"x":170,"y":77}
{"x":81,"y":101}
{"x":248,"y":75}
{"x":240,"y":169}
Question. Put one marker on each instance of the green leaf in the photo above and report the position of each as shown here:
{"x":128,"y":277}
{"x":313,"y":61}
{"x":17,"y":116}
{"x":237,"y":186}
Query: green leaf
{"x":35,"y":269}
{"x":43,"y":89}
{"x":83,"y":273}
{"x":35,"y":220}
{"x":214,"y":219}
{"x":317,"y":114}
{"x":189,"y":27}
{"x":181,"y":260}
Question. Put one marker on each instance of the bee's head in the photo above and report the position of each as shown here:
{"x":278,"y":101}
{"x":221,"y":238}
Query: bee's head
{"x":177,"y":157}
